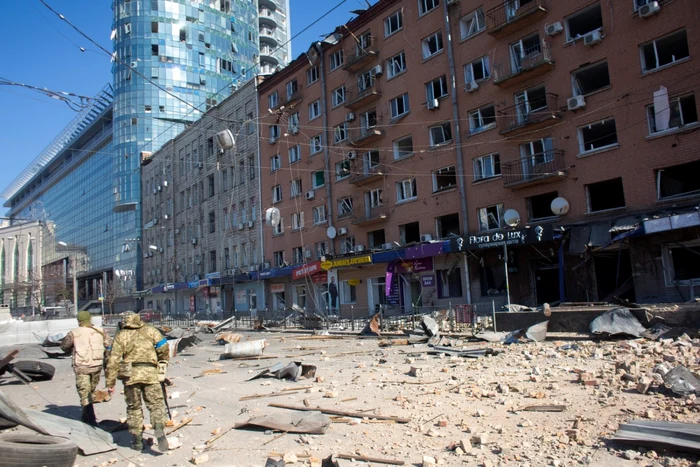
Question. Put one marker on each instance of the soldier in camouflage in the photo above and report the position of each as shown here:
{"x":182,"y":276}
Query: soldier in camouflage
{"x":88,"y":344}
{"x":137,"y":353}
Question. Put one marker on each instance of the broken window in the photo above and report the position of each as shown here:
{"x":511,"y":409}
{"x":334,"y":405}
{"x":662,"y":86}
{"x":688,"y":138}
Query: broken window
{"x":432,"y":44}
{"x":297,"y":220}
{"x":336,"y":59}
{"x":482,"y":119}
{"x":598,"y":135}
{"x":492,"y":276}
{"x":590,"y":79}
{"x":365,"y":80}
{"x":487,"y":166}
{"x":525,"y":52}
{"x":478,"y":70}
{"x":449,"y":283}
{"x":448,"y":225}
{"x":393,"y":23}
{"x":345,"y":206}
{"x":292,"y":87}
{"x":424,"y":6}
{"x":539,"y":151}
{"x":342,"y":169}
{"x":368,"y":120}
{"x":403,"y":147}
{"x":582,"y":22}
{"x":406,"y":190}
{"x":604,"y":195}
{"x":664,"y":51}
{"x":440,"y":134}
{"x":376,"y":198}
{"x":540,"y":206}
{"x":154,"y":27}
{"x":683,"y":112}
{"x":183,"y":35}
{"x":338,"y":96}
{"x":678,"y":180}
{"x":409,"y":233}
{"x":472,"y":23}
{"x":436,"y":88}
{"x":376,"y":238}
{"x":318,"y":179}
{"x":311,"y":75}
{"x":490,"y":217}
{"x":399,"y":106}
{"x":530,"y":101}
{"x":444,"y":178}
{"x":154,"y":49}
{"x":396,"y":64}
{"x":684,"y":260}
{"x":347,"y":244}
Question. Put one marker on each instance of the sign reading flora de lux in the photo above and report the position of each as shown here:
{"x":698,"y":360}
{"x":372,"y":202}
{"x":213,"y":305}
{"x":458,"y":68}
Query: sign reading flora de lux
{"x":522,"y":236}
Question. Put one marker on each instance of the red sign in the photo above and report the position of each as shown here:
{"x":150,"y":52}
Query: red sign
{"x":306,"y":270}
{"x":320,"y":278}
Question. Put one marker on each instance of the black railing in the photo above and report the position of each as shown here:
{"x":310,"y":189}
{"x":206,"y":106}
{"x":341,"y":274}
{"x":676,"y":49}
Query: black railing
{"x":534,"y":167}
{"x":533,"y":57}
{"x":363,"y":48}
{"x":532,"y":111}
{"x":511,"y":11}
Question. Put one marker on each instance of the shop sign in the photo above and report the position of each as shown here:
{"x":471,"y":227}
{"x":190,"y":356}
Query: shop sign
{"x":327,"y":265}
{"x":355,"y":260}
{"x":212,"y":275}
{"x":241,"y":297}
{"x":306,"y":270}
{"x":522,"y":236}
{"x":320,"y":277}
{"x":276,"y":288}
{"x":354,"y":282}
{"x":428,"y":280}
{"x":414,"y":265}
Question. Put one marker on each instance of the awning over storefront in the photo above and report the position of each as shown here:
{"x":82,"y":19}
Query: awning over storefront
{"x":306,"y":270}
{"x":275,"y":272}
{"x":424,"y":250}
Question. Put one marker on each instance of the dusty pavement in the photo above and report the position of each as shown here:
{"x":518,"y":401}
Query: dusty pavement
{"x":454,"y":404}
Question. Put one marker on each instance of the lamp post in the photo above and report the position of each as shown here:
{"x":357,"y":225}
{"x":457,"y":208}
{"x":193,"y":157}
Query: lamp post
{"x":512,"y":218}
{"x":75,"y":279}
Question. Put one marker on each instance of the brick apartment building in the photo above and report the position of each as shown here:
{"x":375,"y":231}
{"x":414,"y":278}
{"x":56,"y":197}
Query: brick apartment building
{"x":394,"y":147}
{"x":201,"y":219}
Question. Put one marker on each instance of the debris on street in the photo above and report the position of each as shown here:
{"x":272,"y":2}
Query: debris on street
{"x":293,"y":371}
{"x":306,"y":423}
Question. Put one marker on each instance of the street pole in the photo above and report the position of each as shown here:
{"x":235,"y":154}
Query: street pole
{"x":75,"y":288}
{"x":505,"y":264}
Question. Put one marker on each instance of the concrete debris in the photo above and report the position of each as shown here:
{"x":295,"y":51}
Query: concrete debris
{"x":198,"y":460}
{"x":616,"y":322}
{"x":232,"y":338}
{"x":307,"y":422}
{"x":244,"y":349}
{"x":430,"y":326}
{"x":293,"y":371}
{"x":682,"y":382}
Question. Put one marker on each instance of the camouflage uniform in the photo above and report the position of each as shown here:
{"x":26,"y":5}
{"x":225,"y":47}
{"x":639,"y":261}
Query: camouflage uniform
{"x":88,"y":345}
{"x":143,"y":346}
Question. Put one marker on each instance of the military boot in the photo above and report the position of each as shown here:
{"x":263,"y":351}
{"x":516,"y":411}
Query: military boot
{"x":137,"y":442}
{"x":89,"y":415}
{"x":160,"y":436}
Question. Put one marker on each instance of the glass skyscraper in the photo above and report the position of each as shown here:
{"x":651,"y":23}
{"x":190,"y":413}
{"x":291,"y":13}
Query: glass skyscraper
{"x":172,"y":61}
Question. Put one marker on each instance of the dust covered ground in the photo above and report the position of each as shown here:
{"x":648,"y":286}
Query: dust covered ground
{"x":461,"y":411}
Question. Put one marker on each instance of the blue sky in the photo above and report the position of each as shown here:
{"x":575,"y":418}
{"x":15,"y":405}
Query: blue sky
{"x":41,"y":50}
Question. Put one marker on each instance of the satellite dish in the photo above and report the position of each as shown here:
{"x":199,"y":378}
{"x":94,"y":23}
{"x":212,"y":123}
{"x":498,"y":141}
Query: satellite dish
{"x":559,"y":206}
{"x":511,"y":217}
{"x":331,"y":232}
{"x":272,"y":217}
{"x":225,"y":139}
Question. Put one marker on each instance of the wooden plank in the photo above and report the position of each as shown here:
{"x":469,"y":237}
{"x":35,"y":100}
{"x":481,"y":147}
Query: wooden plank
{"x":180,"y":425}
{"x":272,"y":394}
{"x":379,"y":460}
{"x":343,"y":413}
{"x":10,"y":356}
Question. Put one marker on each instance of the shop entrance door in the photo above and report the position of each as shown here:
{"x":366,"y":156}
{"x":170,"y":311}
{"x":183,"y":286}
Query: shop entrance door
{"x":547,"y":285}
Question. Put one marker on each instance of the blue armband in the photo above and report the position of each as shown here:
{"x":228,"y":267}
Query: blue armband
{"x":161,"y":343}
{"x":109,"y":348}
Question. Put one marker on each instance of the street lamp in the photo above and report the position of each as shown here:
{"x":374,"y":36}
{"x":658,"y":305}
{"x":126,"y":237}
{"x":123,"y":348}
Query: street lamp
{"x":512,"y":218}
{"x":75,"y":279}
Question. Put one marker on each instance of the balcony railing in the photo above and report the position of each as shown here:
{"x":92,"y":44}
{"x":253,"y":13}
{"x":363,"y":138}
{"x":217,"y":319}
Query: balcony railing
{"x":360,"y":95}
{"x":360,"y":53}
{"x":514,"y":14}
{"x":267,"y":16}
{"x":271,"y":35}
{"x":364,"y":171}
{"x":535,"y":61}
{"x":365,"y":134}
{"x":368,"y":215}
{"x":538,"y":168}
{"x":529,"y":114}
{"x":295,"y":97}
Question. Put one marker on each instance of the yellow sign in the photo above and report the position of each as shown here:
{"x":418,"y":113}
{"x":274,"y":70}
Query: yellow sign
{"x":354,"y":282}
{"x":343,"y":262}
{"x":326,"y":265}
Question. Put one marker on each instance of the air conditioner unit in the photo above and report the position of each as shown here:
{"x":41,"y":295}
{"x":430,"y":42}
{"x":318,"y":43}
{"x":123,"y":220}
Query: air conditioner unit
{"x":350,"y":117}
{"x":377,"y":70}
{"x":649,"y":9}
{"x":426,"y":238}
{"x":273,"y":139}
{"x":434,"y":104}
{"x":342,"y":231}
{"x":310,"y":194}
{"x":160,"y":188}
{"x":155,"y":191}
{"x":294,"y":129}
{"x":161,"y":250}
{"x":166,"y":217}
{"x":194,"y":241}
{"x":165,"y":183}
{"x":553,"y":29}
{"x":359,"y":248}
{"x":250,"y":224}
{"x":592,"y":38}
{"x":177,"y":231}
{"x":471,"y":86}
{"x":352,"y":155}
{"x":307,"y":253}
{"x":266,"y":265}
{"x":240,"y":226}
{"x":575,"y":102}
{"x":387,"y":246}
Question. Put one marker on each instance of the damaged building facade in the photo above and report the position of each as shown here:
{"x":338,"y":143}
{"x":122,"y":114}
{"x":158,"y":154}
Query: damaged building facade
{"x":564,"y":131}
{"x":201,"y":215}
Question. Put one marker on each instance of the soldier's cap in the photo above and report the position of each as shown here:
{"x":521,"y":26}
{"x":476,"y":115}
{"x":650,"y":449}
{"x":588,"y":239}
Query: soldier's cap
{"x":84,"y":317}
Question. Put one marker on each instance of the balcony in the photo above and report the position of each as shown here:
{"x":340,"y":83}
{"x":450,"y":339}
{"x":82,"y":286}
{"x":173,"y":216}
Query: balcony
{"x":294,"y":98}
{"x":270,"y":4}
{"x":364,"y":135}
{"x":267,"y":54}
{"x":529,"y":115}
{"x":533,"y":170}
{"x":361,"y":54}
{"x":366,"y":170}
{"x":361,"y":95}
{"x":513,"y":15}
{"x":270,"y":36}
{"x":536,"y":61}
{"x":267,"y":17}
{"x":370,"y":215}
